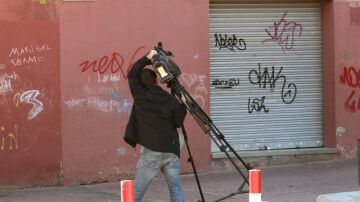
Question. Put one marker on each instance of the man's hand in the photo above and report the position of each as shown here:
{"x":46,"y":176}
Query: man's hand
{"x":151,"y":54}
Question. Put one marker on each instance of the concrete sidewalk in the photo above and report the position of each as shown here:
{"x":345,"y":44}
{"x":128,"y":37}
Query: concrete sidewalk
{"x":290,"y":183}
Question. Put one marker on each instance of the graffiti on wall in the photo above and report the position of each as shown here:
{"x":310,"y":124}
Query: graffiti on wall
{"x":13,"y":99}
{"x":8,"y":139}
{"x":28,"y":55}
{"x":6,"y":81}
{"x":118,"y":104}
{"x":112,"y":64}
{"x":196,"y":85}
{"x":28,"y":97}
{"x":31,"y":97}
{"x":105,"y":78}
{"x":351,"y":78}
{"x":103,"y":93}
{"x":19,"y":94}
{"x":225,"y":83}
{"x":284,"y":33}
{"x":25,"y":97}
{"x":124,"y":104}
{"x":231,"y":42}
{"x":257,"y":105}
{"x":106,"y":93}
{"x":265,"y":79}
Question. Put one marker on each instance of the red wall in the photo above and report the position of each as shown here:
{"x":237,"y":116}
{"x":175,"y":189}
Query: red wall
{"x":347,"y":75}
{"x":64,"y":98}
{"x":30,"y":144}
{"x":96,"y":102}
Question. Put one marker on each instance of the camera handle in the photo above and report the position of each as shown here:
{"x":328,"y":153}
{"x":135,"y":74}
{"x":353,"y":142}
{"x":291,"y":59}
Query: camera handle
{"x":161,"y":51}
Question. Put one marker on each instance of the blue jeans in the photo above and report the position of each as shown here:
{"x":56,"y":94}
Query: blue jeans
{"x":150,"y":163}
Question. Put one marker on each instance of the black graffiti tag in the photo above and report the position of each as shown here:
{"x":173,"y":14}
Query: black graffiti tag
{"x":264,"y":79}
{"x":257,"y":105}
{"x":226,"y":83}
{"x":230,"y":43}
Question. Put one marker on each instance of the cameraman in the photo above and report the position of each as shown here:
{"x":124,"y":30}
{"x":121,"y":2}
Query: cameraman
{"x":152,"y":124}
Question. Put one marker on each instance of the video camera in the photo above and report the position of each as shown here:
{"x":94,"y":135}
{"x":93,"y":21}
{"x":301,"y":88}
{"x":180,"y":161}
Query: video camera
{"x":164,"y":66}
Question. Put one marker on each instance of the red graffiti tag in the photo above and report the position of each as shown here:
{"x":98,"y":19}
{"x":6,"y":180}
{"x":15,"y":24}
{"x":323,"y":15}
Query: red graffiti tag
{"x":283,"y":32}
{"x":351,"y":77}
{"x":351,"y":105}
{"x":114,"y":64}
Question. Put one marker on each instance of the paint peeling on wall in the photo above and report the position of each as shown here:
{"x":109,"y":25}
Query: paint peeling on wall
{"x":354,"y":13}
{"x":347,"y":151}
{"x":341,"y":149}
{"x":122,"y":151}
{"x":42,"y":1}
{"x":340,"y":131}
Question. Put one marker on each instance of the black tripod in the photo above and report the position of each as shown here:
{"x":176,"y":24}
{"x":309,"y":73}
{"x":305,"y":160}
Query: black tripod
{"x":209,"y":128}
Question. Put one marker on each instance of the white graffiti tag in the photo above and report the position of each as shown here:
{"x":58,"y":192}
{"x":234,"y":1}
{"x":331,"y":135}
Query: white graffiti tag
{"x":196,"y":84}
{"x":30,"y":98}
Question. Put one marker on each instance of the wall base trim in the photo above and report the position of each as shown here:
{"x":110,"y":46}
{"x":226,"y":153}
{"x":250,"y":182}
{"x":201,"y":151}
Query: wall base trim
{"x":283,"y":152}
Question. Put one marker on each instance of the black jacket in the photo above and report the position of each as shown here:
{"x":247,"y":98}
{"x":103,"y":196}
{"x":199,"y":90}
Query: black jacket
{"x":155,"y":115}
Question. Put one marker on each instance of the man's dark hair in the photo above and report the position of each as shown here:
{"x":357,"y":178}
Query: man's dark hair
{"x":148,"y":77}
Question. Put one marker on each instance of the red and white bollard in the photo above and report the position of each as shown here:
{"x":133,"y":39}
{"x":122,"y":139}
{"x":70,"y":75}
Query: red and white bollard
{"x":127,"y":191}
{"x":255,"y":185}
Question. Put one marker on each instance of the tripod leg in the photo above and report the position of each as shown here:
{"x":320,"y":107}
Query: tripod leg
{"x":193,"y":164}
{"x":208,"y":127}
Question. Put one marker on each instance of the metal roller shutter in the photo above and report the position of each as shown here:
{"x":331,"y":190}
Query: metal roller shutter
{"x":266,"y":73}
